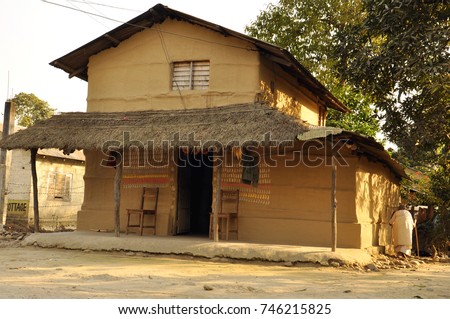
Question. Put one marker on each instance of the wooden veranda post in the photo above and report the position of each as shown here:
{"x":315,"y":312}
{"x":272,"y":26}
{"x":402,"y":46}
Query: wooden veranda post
{"x":218,"y":200}
{"x":35,"y":189}
{"x":117,"y":183}
{"x":333,"y":209}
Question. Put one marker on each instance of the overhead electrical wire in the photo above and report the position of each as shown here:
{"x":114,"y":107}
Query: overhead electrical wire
{"x":160,"y":35}
{"x":90,"y":5}
{"x":166,"y":54}
{"x":248,"y":48}
{"x":105,"y":5}
{"x":89,"y":15}
{"x":157,"y":29}
{"x":83,"y":11}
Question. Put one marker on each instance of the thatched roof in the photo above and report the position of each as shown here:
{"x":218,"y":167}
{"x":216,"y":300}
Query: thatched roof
{"x":52,"y":152}
{"x":363,"y":145}
{"x":75,"y":63}
{"x":208,"y":127}
{"x":235,"y":124}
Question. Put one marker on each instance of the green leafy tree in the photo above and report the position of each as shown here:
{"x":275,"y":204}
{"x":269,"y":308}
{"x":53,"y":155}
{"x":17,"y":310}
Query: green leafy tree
{"x":307,"y":28}
{"x":432,"y":190}
{"x":399,"y":54}
{"x":385,"y":59}
{"x":30,"y":109}
{"x":362,"y":119}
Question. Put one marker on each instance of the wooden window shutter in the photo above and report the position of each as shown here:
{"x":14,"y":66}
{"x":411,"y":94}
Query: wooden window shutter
{"x":200,"y":75}
{"x":190,"y":75}
{"x":59,"y":186}
{"x":67,"y":187}
{"x":51,"y":185}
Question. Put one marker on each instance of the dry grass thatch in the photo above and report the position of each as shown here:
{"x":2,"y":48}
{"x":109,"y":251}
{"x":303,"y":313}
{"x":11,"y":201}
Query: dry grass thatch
{"x":235,"y":124}
{"x":204,"y":128}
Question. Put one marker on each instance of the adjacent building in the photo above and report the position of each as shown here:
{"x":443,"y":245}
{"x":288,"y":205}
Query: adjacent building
{"x":61,"y":188}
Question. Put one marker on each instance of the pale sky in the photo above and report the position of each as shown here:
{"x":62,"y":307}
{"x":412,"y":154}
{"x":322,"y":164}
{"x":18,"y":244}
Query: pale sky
{"x":34,"y":33}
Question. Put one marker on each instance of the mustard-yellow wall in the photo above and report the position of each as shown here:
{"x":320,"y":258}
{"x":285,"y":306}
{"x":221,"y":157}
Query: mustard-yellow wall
{"x":377,"y":195}
{"x":299,"y":211}
{"x":136,"y":75}
{"x":97,"y":211}
{"x":284,"y":92}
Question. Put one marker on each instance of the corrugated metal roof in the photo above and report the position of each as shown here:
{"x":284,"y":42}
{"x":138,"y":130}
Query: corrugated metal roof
{"x":76,"y":62}
{"x":77,"y":155}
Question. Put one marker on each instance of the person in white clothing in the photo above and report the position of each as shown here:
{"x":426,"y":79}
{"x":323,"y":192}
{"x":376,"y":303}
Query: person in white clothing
{"x":402,"y":229}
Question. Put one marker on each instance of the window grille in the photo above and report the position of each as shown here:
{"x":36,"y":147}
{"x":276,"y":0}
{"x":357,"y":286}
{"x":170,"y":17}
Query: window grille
{"x":190,"y":75}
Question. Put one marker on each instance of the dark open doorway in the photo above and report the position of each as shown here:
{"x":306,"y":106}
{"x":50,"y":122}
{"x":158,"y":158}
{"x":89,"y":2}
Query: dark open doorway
{"x":194,"y":193}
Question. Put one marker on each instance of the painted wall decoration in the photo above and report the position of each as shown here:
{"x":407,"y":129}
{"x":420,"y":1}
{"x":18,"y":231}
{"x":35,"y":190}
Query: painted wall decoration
{"x":142,"y":170}
{"x":259,"y":194}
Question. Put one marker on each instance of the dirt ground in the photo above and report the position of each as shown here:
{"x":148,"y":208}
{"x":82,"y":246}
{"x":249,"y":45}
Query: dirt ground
{"x":31,"y":272}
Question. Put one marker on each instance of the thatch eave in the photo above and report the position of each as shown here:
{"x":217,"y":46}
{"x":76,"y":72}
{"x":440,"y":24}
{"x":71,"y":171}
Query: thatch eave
{"x":201,"y":128}
{"x":363,"y":145}
{"x":207,"y":128}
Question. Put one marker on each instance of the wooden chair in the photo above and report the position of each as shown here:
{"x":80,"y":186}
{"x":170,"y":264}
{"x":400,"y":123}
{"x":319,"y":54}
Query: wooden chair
{"x":227,"y":215}
{"x":149,"y":205}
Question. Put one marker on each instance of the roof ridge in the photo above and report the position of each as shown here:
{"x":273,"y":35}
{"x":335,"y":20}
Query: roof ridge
{"x":76,"y":62}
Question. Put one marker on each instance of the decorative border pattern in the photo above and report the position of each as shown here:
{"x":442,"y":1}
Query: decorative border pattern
{"x":231,"y":179}
{"x":140,"y":172}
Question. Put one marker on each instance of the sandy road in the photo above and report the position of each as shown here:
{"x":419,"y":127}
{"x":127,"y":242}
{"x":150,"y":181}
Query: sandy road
{"x":28,"y":272}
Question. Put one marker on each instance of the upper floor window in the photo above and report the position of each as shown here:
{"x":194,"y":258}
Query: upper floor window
{"x":190,"y":75}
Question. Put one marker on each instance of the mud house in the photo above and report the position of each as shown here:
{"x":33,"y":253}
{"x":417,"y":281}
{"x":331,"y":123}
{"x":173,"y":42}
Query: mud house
{"x":60,"y":188}
{"x":189,"y":107}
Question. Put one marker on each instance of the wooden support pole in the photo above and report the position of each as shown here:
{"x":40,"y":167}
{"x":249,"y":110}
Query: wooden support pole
{"x":35,"y":189}
{"x":117,"y":183}
{"x":417,"y":239}
{"x":333,"y":209}
{"x":218,"y":200}
{"x":8,"y":127}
